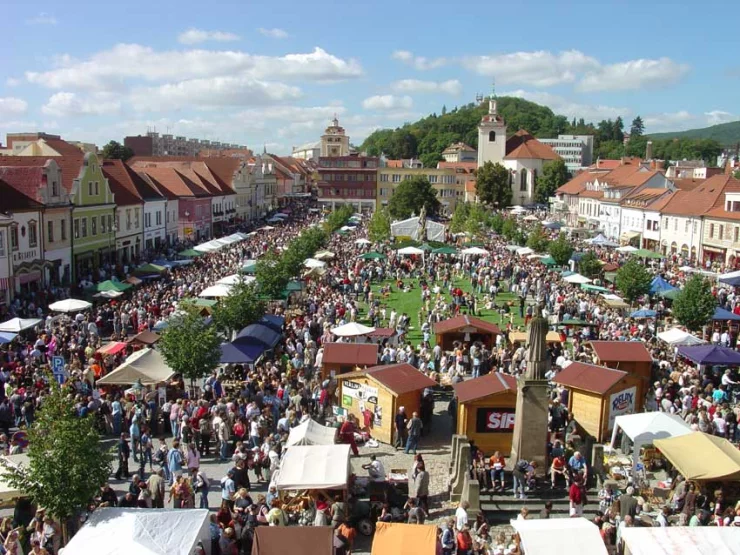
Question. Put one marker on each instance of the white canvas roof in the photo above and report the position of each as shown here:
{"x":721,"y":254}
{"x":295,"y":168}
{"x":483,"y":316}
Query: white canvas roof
{"x":474,"y":251}
{"x":218,"y":290}
{"x":233,"y":279}
{"x":146,"y":365}
{"x":410,"y":250}
{"x":697,"y":540}
{"x":311,"y":433}
{"x":116,"y":531}
{"x":524,"y":251}
{"x":351,"y":330}
{"x":8,"y":492}
{"x":677,"y":336}
{"x":16,"y":325}
{"x":577,"y":278}
{"x":410,"y":228}
{"x":314,"y":467}
{"x":574,"y":536}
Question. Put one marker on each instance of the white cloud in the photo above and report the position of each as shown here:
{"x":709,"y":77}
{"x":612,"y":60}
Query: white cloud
{"x":210,"y":93}
{"x":719,"y":116}
{"x":195,"y":36}
{"x":112,"y":69}
{"x":11,"y":106}
{"x":274,"y":33}
{"x":571,"y":109}
{"x":387,"y":102}
{"x":452,"y":87}
{"x":12,"y":81}
{"x":293,"y":113}
{"x":69,"y":104}
{"x":419,"y":62}
{"x":42,"y":19}
{"x":633,"y":74}
{"x":670,"y":121}
{"x":537,"y":69}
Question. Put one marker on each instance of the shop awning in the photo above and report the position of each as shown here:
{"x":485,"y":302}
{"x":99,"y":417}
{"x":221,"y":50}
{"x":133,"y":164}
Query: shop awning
{"x":710,"y":354}
{"x":719,"y":460}
{"x":409,"y":539}
{"x":677,"y":336}
{"x":314,"y":467}
{"x":574,"y":536}
{"x":311,"y":433}
{"x":112,"y":348}
{"x":697,"y":540}
{"x":240,"y":354}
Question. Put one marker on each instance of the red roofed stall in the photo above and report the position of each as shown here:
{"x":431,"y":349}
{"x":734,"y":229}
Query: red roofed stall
{"x":466,"y":329}
{"x":340,"y":358}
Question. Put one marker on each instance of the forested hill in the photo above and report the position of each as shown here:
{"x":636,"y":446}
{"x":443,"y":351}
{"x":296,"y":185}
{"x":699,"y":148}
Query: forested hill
{"x":726,"y":134}
{"x":427,"y":138}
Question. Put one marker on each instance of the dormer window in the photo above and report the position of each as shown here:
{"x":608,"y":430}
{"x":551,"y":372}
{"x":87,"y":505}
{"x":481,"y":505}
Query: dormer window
{"x":54,"y":188}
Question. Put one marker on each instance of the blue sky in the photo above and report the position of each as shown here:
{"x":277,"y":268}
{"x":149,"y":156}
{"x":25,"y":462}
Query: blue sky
{"x":275,"y":72}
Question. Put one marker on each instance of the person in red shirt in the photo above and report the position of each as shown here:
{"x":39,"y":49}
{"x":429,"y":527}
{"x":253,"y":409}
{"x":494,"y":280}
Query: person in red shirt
{"x":464,"y":541}
{"x":576,"y":495}
{"x":347,"y":433}
{"x":558,"y":469}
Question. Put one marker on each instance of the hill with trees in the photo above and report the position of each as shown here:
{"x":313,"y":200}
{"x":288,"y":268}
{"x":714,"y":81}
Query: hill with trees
{"x":726,"y":134}
{"x":426,"y":138}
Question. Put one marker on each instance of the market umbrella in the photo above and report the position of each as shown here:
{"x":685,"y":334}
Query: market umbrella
{"x":627,"y":248}
{"x":713,"y":355}
{"x":7,"y":337}
{"x":671,"y":294}
{"x":589,"y":287}
{"x":659,"y":285}
{"x":148,"y":269}
{"x":722,"y":314}
{"x":372,"y":256}
{"x":474,"y":251}
{"x":110,"y":285}
{"x":189,"y":253}
{"x":531,"y":218}
{"x":577,"y":278}
{"x":313,"y":263}
{"x":643,"y":313}
{"x":69,"y":305}
{"x":644,"y":253}
{"x":351,"y":330}
{"x":249,"y":267}
{"x":410,"y":250}
{"x":362,"y":241}
{"x":445,"y":250}
{"x":548,"y":261}
{"x":324,"y":255}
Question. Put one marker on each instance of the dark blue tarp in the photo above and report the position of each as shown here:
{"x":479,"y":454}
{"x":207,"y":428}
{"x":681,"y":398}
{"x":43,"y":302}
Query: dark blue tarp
{"x":734,"y":281}
{"x":722,"y":314}
{"x":659,"y":284}
{"x":240,"y":354}
{"x":258,"y":334}
{"x":713,"y":355}
{"x":273,"y":322}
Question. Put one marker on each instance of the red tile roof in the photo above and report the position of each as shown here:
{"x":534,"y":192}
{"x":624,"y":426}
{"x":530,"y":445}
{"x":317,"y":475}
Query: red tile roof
{"x":621,"y":351}
{"x":588,"y":377}
{"x":358,"y":354}
{"x":578,"y":183}
{"x":71,"y":166}
{"x":458,"y":147}
{"x":121,"y":182}
{"x":490,"y":384}
{"x":177,"y":184}
{"x":26,"y":179}
{"x":687,"y":184}
{"x":466,"y":167}
{"x":700,"y":200}
{"x":522,"y":145}
{"x":465,"y":321}
{"x":13,"y":199}
{"x":400,"y":378}
{"x":63,"y":147}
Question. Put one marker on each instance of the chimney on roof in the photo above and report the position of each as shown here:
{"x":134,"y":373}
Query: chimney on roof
{"x":657,"y":165}
{"x":649,"y":150}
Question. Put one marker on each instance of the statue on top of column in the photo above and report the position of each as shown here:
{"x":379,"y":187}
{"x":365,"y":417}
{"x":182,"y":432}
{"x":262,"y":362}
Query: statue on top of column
{"x":538,"y":359}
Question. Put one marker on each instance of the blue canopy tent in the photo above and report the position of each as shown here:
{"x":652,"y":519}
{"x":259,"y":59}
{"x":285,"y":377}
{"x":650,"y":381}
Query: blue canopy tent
{"x":258,"y":334}
{"x":273,"y":322}
{"x":6,"y":337}
{"x":734,"y":281}
{"x":658,"y":285}
{"x":712,"y":355}
{"x":644,"y":313}
{"x":722,"y":314}
{"x":240,"y":354}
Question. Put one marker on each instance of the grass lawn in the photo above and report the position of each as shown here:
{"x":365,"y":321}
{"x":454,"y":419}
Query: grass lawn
{"x":410,"y":303}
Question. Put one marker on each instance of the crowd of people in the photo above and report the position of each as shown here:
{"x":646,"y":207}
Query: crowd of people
{"x":243,"y":415}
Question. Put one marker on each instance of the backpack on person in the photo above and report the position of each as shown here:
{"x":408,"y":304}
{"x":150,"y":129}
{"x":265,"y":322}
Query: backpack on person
{"x":522,"y":466}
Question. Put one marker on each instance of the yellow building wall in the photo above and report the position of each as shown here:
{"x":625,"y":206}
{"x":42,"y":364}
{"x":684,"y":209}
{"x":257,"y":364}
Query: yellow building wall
{"x":587,"y":410}
{"x":448,"y":193}
{"x":386,"y":401}
{"x":486,"y":442}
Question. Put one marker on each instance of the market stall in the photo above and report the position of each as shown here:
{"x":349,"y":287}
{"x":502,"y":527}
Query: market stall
{"x":466,"y":329}
{"x":296,"y":540}
{"x":145,"y":338}
{"x":710,"y":355}
{"x":340,"y":358}
{"x":307,"y":467}
{"x":521,"y":337}
{"x":696,"y":540}
{"x":629,"y":356}
{"x":574,"y":536}
{"x":374,"y":395}
{"x":9,"y":493}
{"x":676,"y":337}
{"x":409,"y":539}
{"x":311,"y":433}
{"x":719,"y":460}
{"x":17,"y":325}
{"x":146,"y":365}
{"x":597,"y":395}
{"x":485,"y":411}
{"x":113,"y":348}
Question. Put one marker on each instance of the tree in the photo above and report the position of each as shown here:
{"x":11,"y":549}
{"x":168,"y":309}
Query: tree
{"x":561,"y":250}
{"x":191,"y":346}
{"x":476,"y":220}
{"x":637,"y":128}
{"x":241,"y":308}
{"x":116,"y":151}
{"x":736,"y":174}
{"x":272,"y":275}
{"x":589,"y":265}
{"x":537,"y":239}
{"x":379,"y":228}
{"x":554,"y":175}
{"x":493,"y":185}
{"x":67,"y":465}
{"x":509,"y":228}
{"x":338,"y":218}
{"x":497,"y":223}
{"x":633,"y":280}
{"x":695,"y":304}
{"x":411,"y":196}
{"x":459,"y":217}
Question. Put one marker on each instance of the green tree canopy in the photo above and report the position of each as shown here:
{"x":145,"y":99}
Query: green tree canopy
{"x":476,"y":220}
{"x":338,"y":218}
{"x":637,"y":128}
{"x":589,"y":265}
{"x":410,"y":196}
{"x":633,"y":280}
{"x":241,"y":308}
{"x":116,"y":151}
{"x":272,"y":275}
{"x":561,"y":250}
{"x":509,"y":228}
{"x":379,"y":227}
{"x":554,"y":175}
{"x":459,"y":217}
{"x":190,"y":346}
{"x":493,"y":185}
{"x":695,"y":304}
{"x":537,"y":239}
{"x":67,"y":464}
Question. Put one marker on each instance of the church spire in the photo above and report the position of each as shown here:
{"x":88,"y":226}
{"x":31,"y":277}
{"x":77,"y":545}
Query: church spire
{"x":492,"y":104}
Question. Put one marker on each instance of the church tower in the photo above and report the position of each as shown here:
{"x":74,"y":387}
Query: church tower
{"x":334,"y":141}
{"x":491,"y":134}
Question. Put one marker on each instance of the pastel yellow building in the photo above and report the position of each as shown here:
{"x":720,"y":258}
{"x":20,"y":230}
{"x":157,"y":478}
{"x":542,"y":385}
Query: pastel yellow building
{"x":449,"y":189}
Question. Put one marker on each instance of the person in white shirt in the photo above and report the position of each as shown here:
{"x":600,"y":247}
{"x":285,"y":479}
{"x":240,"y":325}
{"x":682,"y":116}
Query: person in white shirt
{"x":375,"y":469}
{"x":461,"y":515}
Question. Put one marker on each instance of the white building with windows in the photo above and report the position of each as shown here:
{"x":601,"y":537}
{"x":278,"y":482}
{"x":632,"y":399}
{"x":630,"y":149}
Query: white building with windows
{"x":22,"y":248}
{"x":309,"y":151}
{"x":577,"y":151}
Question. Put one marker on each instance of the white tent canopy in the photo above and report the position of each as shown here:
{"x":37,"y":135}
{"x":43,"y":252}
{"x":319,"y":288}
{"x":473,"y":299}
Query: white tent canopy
{"x":574,"y":536}
{"x":577,"y":278}
{"x":313,"y":263}
{"x":69,"y":305}
{"x":314,"y":467}
{"x":311,"y":433}
{"x":646,"y":427}
{"x":211,"y":246}
{"x":697,"y":540}
{"x":676,"y":336}
{"x":627,"y":248}
{"x":15,"y":325}
{"x":146,"y":365}
{"x":362,"y":241}
{"x":410,"y":250}
{"x":524,"y":251}
{"x":8,"y":492}
{"x":117,"y":531}
{"x":351,"y":330}
{"x":233,"y":279}
{"x":218,"y":290}
{"x":471,"y":251}
{"x":434,"y":231}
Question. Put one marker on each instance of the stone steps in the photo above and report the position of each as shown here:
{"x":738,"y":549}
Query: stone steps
{"x":500,"y":509}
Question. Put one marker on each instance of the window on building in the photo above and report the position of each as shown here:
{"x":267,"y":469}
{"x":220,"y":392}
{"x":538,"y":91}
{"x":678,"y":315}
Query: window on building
{"x":102,"y":224}
{"x":147,"y":219}
{"x":159,"y":218}
{"x":63,"y":226}
{"x":97,"y":188}
{"x":54,"y":188}
{"x":2,"y":243}
{"x":110,"y":222}
{"x":128,"y":219}
{"x":136,"y":217}
{"x":711,"y":230}
{"x":686,"y":230}
{"x":94,"y":225}
{"x":523,"y":180}
{"x":50,"y":231}
{"x":432,"y":178}
{"x":492,"y":137}
{"x":77,"y":228}
{"x":84,"y":227}
{"x":675,"y":224}
{"x":33,"y":237}
{"x":665,"y":223}
{"x":736,"y":231}
{"x":14,"y":237}
{"x":384,"y":177}
{"x":721,"y":232}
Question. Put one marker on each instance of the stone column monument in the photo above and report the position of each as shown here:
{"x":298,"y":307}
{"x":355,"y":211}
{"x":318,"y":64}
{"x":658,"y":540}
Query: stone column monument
{"x":530,"y":424}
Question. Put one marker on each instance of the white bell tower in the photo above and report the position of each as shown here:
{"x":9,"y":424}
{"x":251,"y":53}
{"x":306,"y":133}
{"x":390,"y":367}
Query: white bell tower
{"x":491,"y":134}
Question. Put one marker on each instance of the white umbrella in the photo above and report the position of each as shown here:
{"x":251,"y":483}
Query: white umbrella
{"x":524,"y":251}
{"x":352,"y":329}
{"x":410,"y":250}
{"x":108,"y":294}
{"x":313,"y":263}
{"x":266,"y":228}
{"x":577,"y":278}
{"x":474,"y":251}
{"x":218,"y":290}
{"x":531,"y":218}
{"x":362,"y":241}
{"x":233,"y":279}
{"x":628,"y":248}
{"x":324,"y":255}
{"x":533,"y":256}
{"x":15,"y":325}
{"x":69,"y":305}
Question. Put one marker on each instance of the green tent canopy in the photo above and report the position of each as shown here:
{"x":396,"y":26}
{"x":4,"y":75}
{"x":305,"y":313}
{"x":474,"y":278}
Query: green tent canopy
{"x":372,"y":256}
{"x":589,"y":287}
{"x":189,"y":253}
{"x":201,"y":303}
{"x":109,"y":285}
{"x":548,"y":261}
{"x":445,"y":250}
{"x":294,"y":286}
{"x":150,"y":269}
{"x":644,"y":253}
{"x":574,"y":322}
{"x":671,"y":294}
{"x":249,"y":268}
{"x":610,"y":276}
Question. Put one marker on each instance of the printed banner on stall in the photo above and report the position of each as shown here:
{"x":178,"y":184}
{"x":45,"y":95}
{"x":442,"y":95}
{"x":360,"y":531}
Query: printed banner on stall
{"x":360,"y":391}
{"x":495,"y":420}
{"x":622,"y":402}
